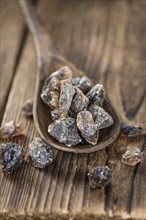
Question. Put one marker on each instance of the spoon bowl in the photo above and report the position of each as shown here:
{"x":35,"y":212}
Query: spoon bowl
{"x":50,"y":60}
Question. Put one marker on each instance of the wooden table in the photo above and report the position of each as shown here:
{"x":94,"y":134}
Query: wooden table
{"x":106,"y":39}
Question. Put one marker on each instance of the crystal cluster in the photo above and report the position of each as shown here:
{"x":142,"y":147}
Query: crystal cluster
{"x":76,"y":108}
{"x":132,"y":156}
{"x":65,"y":131}
{"x":40,"y":153}
{"x":11,"y":129}
{"x":130,"y":129}
{"x":11,"y":156}
{"x":87,"y":127}
{"x":101,"y":117}
{"x":27,"y":107}
{"x":96,"y":95}
{"x":99,"y":176}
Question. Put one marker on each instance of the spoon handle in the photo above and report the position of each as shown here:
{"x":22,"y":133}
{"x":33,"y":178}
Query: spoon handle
{"x":45,"y":48}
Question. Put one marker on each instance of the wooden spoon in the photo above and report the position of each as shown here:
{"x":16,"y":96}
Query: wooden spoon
{"x":50,"y":60}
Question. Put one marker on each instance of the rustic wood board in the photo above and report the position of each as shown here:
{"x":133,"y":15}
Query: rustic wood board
{"x":106,"y":40}
{"x":12,"y":36}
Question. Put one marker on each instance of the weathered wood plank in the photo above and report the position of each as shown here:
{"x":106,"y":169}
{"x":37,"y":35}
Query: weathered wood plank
{"x":139,"y":186}
{"x":88,"y":34}
{"x":12,"y":36}
{"x":138,"y":110}
{"x":133,"y":90}
{"x":126,"y":78}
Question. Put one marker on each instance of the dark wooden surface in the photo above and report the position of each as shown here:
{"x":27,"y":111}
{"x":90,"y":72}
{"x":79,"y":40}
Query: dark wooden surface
{"x":106,"y":39}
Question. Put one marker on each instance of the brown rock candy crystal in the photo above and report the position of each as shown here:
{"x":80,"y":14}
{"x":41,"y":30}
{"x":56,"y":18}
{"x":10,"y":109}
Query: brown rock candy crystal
{"x":132,"y":156}
{"x":54,"y":84}
{"x":59,"y":113}
{"x":27,"y":107}
{"x":66,"y":94}
{"x":99,"y":176}
{"x":85,"y":84}
{"x":79,"y":102}
{"x":87,"y":127}
{"x":40,"y":154}
{"x":130,"y":129}
{"x":11,"y":156}
{"x":62,"y":74}
{"x":101,"y":117}
{"x":75,"y":81}
{"x":50,"y":98}
{"x":51,"y":93}
{"x":96,"y":95}
{"x":11,"y":129}
{"x":65,"y":131}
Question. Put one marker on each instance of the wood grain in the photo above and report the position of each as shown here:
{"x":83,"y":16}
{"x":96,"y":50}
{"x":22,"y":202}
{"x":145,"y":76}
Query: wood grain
{"x":12,"y":36}
{"x":99,"y":37}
